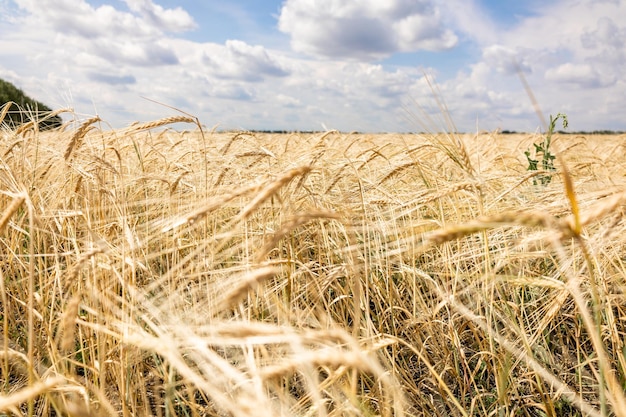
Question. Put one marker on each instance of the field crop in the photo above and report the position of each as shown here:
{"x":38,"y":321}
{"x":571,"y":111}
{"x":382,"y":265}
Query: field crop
{"x":147,"y":271}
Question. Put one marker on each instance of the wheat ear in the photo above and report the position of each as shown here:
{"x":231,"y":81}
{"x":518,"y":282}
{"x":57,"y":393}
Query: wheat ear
{"x":12,"y":208}
{"x":240,"y":290}
{"x":272,"y":188}
{"x":67,"y":326}
{"x":163,"y":122}
{"x":78,"y":137}
{"x":598,"y":210}
{"x":521,"y":218}
{"x":5,"y":110}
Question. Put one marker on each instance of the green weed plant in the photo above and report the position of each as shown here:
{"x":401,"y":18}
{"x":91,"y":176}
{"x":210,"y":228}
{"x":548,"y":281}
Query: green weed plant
{"x":543,"y":155}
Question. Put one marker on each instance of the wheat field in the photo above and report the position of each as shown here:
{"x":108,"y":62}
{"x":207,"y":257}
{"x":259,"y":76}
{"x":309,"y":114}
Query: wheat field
{"x":149,"y":271}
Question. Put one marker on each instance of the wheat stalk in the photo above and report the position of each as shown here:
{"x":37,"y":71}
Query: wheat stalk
{"x":162,"y":122}
{"x":24,"y":127}
{"x":289,"y":225}
{"x":596,"y":212}
{"x":11,"y":209}
{"x":78,"y":136}
{"x":5,"y":109}
{"x":7,"y":403}
{"x":519,"y":218}
{"x":272,"y":188}
{"x":241,"y":288}
{"x":226,"y":147}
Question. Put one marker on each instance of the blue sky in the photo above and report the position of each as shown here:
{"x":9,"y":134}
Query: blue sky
{"x":352,"y":65}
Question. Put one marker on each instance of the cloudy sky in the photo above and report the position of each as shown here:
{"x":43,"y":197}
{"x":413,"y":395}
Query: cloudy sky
{"x":352,"y":65}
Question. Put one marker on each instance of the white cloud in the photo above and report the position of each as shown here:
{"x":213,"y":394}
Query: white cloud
{"x":169,"y":20}
{"x":112,"y":79}
{"x":287,"y":101}
{"x":506,"y":60}
{"x":364,"y":29}
{"x":583,"y":75}
{"x":605,"y":35}
{"x":231,"y":91}
{"x":238,"y":60}
{"x":103,"y":34}
{"x":147,"y":18}
{"x":79,"y":18}
{"x":469,"y":18}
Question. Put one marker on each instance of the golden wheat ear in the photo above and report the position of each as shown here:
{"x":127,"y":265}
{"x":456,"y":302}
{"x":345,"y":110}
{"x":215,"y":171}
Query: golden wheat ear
{"x":11,"y":209}
{"x":5,"y":109}
{"x":78,"y":136}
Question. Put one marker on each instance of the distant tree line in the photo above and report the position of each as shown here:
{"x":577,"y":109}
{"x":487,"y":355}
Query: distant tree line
{"x":305,"y":132}
{"x":579,"y":132}
{"x":25,"y":108}
{"x":503,"y":132}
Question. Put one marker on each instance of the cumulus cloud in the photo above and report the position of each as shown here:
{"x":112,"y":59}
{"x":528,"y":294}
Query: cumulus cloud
{"x":364,"y":29}
{"x":287,"y":101}
{"x":580,"y":74}
{"x":506,"y":60}
{"x":135,"y":53}
{"x":104,"y":32}
{"x":605,"y":34}
{"x":81,"y":18}
{"x":112,"y":79}
{"x":378,"y":83}
{"x":238,"y":60}
{"x":231,"y":91}
{"x":171,"y":20}
{"x":604,"y":46}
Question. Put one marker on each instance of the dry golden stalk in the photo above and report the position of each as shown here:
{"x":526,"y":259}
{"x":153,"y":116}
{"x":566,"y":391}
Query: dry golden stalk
{"x":23,"y":128}
{"x":221,"y":176}
{"x":241,"y":287}
{"x":521,"y":355}
{"x":67,"y":326}
{"x":254,"y":153}
{"x":162,"y":122}
{"x":12,"y":208}
{"x":51,"y":114}
{"x":452,"y":145}
{"x":597,"y":211}
{"x":235,"y":137}
{"x":329,"y":357}
{"x":79,"y":182}
{"x":571,"y":196}
{"x":5,"y":110}
{"x":471,"y":185}
{"x":520,"y":182}
{"x":78,"y":137}
{"x":214,"y":204}
{"x":291,"y":224}
{"x":13,"y":145}
{"x":73,"y":273}
{"x":272,"y":188}
{"x":20,"y":397}
{"x":397,"y":170}
{"x":174,"y":185}
{"x":517,"y":218}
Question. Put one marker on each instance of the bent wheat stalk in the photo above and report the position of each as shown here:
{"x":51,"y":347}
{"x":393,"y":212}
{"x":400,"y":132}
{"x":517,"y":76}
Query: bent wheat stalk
{"x":11,"y":209}
{"x":78,"y":137}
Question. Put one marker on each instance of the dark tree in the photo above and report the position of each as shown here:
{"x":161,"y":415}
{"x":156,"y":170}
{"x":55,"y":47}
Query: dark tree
{"x":24,"y":109}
